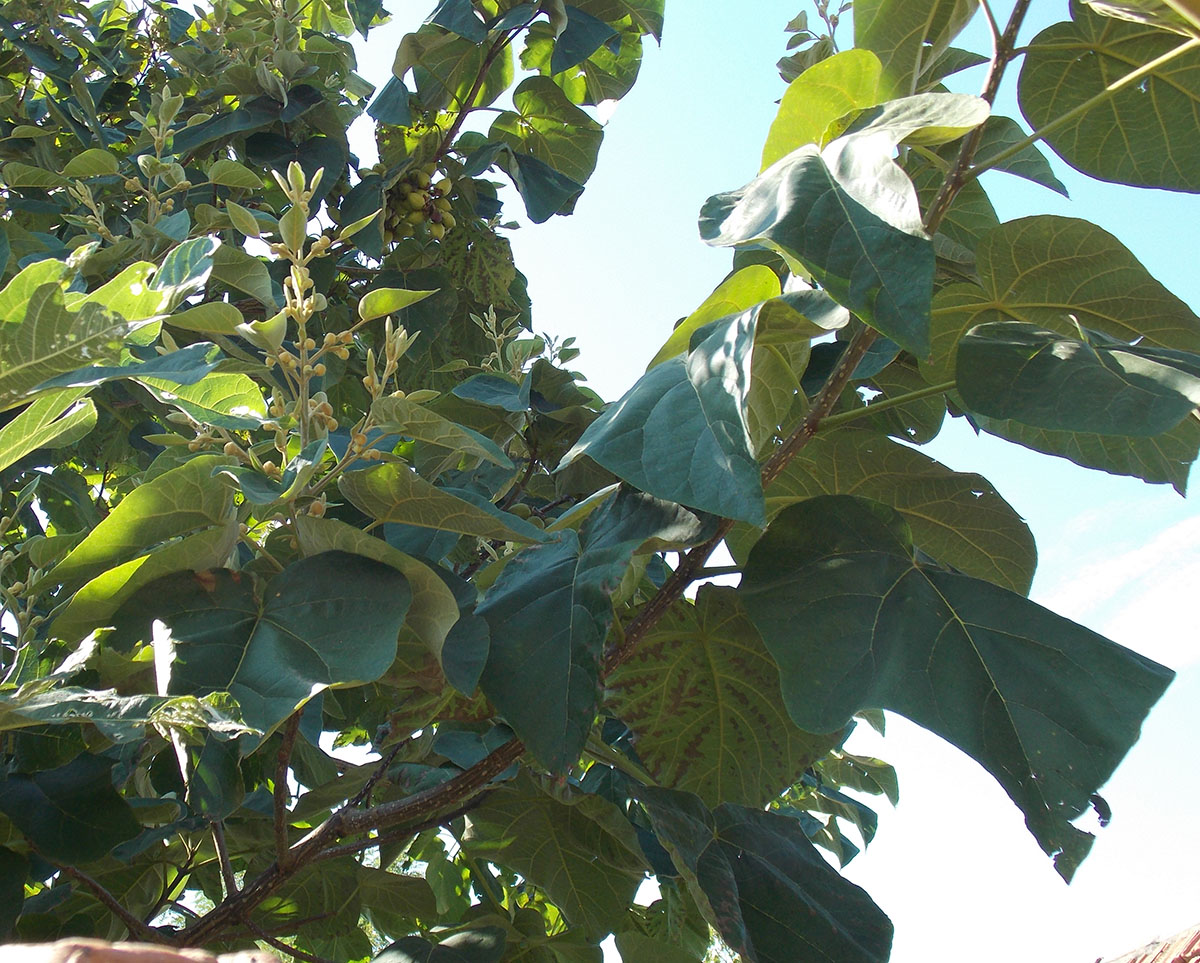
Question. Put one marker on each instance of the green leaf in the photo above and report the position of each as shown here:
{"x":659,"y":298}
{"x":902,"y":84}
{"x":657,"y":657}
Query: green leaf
{"x":236,"y":269}
{"x":849,"y":215}
{"x":647,"y":15}
{"x":329,"y":620}
{"x":1153,"y":12}
{"x":1010,"y":370}
{"x":680,"y":432}
{"x":175,"y":503}
{"x":71,"y":813}
{"x":956,"y":517}
{"x":595,"y":864}
{"x":93,"y":162}
{"x":544,"y":190}
{"x":1160,"y":459}
{"x":1046,"y":706}
{"x":184,"y":367}
{"x":546,"y":125}
{"x":400,"y":416}
{"x":211,"y":317}
{"x":395,"y":493}
{"x":14,"y":869}
{"x":186,"y":269}
{"x":53,"y":420}
{"x":233,"y":401}
{"x":22,"y":176}
{"x":380,"y":301}
{"x":636,"y":947}
{"x":477,"y":945}
{"x":229,"y":173}
{"x":1001,"y":133}
{"x":825,"y":92}
{"x":1158,"y":142}
{"x":51,"y":340}
{"x":121,"y":718}
{"x":1059,"y":273}
{"x":447,"y":66}
{"x":926,"y":119}
{"x":433,"y":610}
{"x":701,"y":694}
{"x":740,"y":291}
{"x":494,"y":391}
{"x":908,"y":35}
{"x":549,"y":612}
{"x":93,"y":605}
{"x":582,"y":37}
{"x":768,"y":891}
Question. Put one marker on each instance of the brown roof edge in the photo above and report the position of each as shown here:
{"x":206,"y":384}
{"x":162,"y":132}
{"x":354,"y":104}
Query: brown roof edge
{"x":1181,"y":948}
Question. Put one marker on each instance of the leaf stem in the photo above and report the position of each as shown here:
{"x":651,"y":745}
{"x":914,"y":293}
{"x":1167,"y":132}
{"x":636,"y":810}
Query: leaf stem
{"x":845,"y":417}
{"x":605,"y":754}
{"x":1080,"y":109}
{"x":218,"y":832}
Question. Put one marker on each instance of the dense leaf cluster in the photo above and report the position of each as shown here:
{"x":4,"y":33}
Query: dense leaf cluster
{"x":284,"y":470}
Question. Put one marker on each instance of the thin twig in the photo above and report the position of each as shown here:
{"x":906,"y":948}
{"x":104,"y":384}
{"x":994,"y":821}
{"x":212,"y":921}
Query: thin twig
{"x":218,"y":832}
{"x":135,"y":926}
{"x":290,"y":730}
{"x":363,"y":796}
{"x":282,"y":946}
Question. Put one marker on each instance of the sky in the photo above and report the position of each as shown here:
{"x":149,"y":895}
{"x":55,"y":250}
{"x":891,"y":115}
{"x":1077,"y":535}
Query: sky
{"x":953,"y":865}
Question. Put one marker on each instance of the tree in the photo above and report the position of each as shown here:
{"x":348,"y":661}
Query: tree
{"x":285,"y":467}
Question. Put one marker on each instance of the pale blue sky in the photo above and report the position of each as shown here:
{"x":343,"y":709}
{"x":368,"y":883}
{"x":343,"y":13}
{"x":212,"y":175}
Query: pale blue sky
{"x":953,"y":866}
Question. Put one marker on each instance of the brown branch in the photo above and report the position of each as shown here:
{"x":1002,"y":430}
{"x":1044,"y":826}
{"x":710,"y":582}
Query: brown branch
{"x":290,"y":730}
{"x":137,"y":929}
{"x":363,"y":796}
{"x":1004,"y":51}
{"x":407,"y":831}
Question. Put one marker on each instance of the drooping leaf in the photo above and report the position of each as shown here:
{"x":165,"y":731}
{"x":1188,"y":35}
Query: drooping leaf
{"x":680,"y":432}
{"x":647,"y":15}
{"x":177,"y":502}
{"x":71,"y":813}
{"x":1046,"y":706}
{"x":396,"y":493}
{"x":908,"y":35}
{"x":380,"y":301}
{"x":548,"y":614}
{"x":1069,"y":63}
{"x":1001,"y":133}
{"x":185,"y":367}
{"x":928,"y":119}
{"x":582,"y":37}
{"x":433,"y":610}
{"x":327,"y":620}
{"x":494,"y":391}
{"x":956,"y":517}
{"x":547,"y":126}
{"x":52,"y":420}
{"x":827,"y":91}
{"x":595,"y":864}
{"x":768,"y":891}
{"x":849,"y":215}
{"x":460,"y":17}
{"x":701,"y":694}
{"x":236,"y":269}
{"x":1010,"y":370}
{"x":447,"y":66}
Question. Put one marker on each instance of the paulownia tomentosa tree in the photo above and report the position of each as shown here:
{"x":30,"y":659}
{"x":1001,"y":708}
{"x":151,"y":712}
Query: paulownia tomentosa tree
{"x":282,"y":460}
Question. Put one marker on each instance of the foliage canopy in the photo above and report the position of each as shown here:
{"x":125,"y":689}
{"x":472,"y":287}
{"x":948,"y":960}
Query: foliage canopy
{"x":283,"y":468}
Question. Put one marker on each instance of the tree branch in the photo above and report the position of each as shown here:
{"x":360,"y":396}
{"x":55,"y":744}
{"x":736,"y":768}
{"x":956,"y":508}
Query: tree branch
{"x":137,"y":929}
{"x":218,"y":832}
{"x":290,"y":730}
{"x":283,"y":947}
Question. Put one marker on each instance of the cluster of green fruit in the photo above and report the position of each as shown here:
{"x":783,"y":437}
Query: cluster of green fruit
{"x":417,"y":203}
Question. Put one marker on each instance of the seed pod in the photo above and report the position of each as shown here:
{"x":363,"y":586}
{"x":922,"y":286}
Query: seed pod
{"x":438,"y":231}
{"x":417,"y":200}
{"x":448,"y":220}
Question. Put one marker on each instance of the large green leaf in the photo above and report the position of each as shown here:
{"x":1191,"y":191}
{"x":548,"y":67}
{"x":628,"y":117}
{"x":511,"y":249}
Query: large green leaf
{"x":236,"y":269}
{"x":121,"y":718}
{"x":1155,"y":12}
{"x":956,"y":517}
{"x":447,"y":68}
{"x":401,"y":416}
{"x":827,"y":91}
{"x":770,"y":894}
{"x":185,"y":367}
{"x":855,"y":621}
{"x":647,"y":15}
{"x":225,"y":399}
{"x":701,"y":694}
{"x":928,"y":119}
{"x":1001,"y":133}
{"x":52,"y":420}
{"x":849,"y":215}
{"x":908,"y":35}
{"x":680,"y":432}
{"x":1159,"y":459}
{"x":1145,"y":134}
{"x":1011,"y":370}
{"x":1059,"y":273}
{"x":433,"y":610}
{"x":395,"y":493}
{"x":325,"y":621}
{"x":740,"y":291}
{"x":71,"y":813}
{"x":177,"y":502}
{"x":579,"y":848}
{"x":52,"y":340}
{"x":548,"y":614}
{"x":14,"y":869}
{"x":546,"y":125}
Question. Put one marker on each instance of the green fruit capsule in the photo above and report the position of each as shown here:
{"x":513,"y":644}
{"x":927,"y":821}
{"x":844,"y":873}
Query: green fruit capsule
{"x":416,"y":200}
{"x":445,"y":185}
{"x":421,"y":179}
{"x":438,"y":231}
{"x":442,"y":204}
{"x":521,"y":510}
{"x":448,"y":220}
{"x":416,"y":217}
